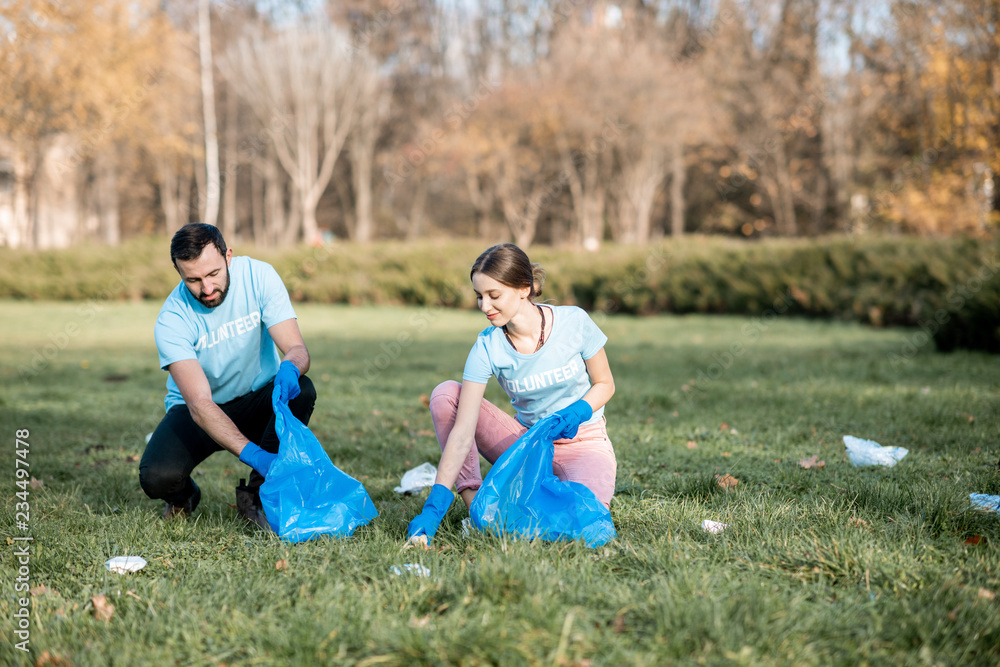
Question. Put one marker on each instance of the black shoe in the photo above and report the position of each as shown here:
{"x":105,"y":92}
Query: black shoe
{"x":172,"y":512}
{"x":248,"y":506}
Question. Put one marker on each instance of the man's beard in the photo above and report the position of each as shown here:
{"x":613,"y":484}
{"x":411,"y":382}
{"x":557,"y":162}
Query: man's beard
{"x":222,"y":297}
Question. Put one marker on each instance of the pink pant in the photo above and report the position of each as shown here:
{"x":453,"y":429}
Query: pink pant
{"x":588,"y":458}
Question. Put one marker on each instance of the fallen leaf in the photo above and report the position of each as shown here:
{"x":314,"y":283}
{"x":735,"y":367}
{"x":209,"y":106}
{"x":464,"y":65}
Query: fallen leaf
{"x":47,"y":659}
{"x":377,"y":413}
{"x":420,"y":622}
{"x":811,"y":462}
{"x":986,"y":594}
{"x":281,"y":565}
{"x":724,"y":426}
{"x":425,"y":400}
{"x":727,"y":454}
{"x":857,"y":522}
{"x":974,"y":540}
{"x":43,"y":590}
{"x":131,"y":593}
{"x":692,"y":444}
{"x":37,"y":483}
{"x":103,"y":610}
{"x":619,"y":625}
{"x":726,"y":481}
{"x":131,"y":459}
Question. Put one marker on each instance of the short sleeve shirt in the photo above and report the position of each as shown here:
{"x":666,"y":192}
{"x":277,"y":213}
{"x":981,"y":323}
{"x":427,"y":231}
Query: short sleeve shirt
{"x":551,"y":378}
{"x":230,"y":341}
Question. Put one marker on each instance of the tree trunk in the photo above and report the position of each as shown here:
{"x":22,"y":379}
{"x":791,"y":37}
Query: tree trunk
{"x":106,"y":191}
{"x":211,"y":193}
{"x":592,"y":225}
{"x":482,"y":199}
{"x":521,"y":213}
{"x":274,"y":198}
{"x":184,"y":209}
{"x":787,"y":225}
{"x":641,"y":179}
{"x":24,"y":175}
{"x":229,"y":182}
{"x":167,"y":175}
{"x":416,"y":222}
{"x":257,"y":207}
{"x":678,"y":174}
{"x":362,"y":159}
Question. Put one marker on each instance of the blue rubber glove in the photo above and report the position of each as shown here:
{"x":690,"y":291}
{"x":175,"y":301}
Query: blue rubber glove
{"x":570,"y":419}
{"x":257,"y":458}
{"x":287,"y":381}
{"x":427,"y":522}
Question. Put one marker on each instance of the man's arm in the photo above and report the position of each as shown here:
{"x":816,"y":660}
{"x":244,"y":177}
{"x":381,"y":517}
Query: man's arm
{"x":287,"y":337}
{"x":197,"y":393}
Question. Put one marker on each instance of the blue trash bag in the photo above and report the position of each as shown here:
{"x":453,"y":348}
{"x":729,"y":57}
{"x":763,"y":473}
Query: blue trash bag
{"x":304,"y":495}
{"x":522,"y":497}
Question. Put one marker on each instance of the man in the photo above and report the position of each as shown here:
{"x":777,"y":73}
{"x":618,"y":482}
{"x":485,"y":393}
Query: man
{"x":218,"y":335}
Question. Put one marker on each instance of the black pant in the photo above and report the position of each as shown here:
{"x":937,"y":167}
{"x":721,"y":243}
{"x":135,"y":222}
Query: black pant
{"x":178,"y":444}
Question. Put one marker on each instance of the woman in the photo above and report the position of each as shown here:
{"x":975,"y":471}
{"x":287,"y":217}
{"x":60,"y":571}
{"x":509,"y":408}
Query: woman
{"x":549,"y":360}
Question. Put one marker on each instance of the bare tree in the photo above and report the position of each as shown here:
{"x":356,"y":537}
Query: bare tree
{"x":212,"y":185}
{"x":302,"y":83}
{"x":373,"y":108}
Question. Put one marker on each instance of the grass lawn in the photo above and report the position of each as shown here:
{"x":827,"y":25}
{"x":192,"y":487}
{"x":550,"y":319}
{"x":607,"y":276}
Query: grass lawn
{"x":832,"y":565}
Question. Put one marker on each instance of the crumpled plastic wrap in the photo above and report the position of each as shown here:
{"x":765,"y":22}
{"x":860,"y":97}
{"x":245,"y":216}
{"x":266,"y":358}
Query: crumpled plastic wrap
{"x":869,"y":453}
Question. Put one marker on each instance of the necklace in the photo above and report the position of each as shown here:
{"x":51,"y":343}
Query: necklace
{"x":541,"y":336}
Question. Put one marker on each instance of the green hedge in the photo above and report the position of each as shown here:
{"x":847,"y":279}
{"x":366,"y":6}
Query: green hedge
{"x":949,"y":288}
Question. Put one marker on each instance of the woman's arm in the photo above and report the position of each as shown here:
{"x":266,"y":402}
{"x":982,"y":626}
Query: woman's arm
{"x":602,"y":383}
{"x":462,"y":436}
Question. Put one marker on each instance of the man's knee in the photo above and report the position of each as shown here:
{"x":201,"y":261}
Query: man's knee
{"x":161,"y":481}
{"x":308,"y":391}
{"x":303,"y":404}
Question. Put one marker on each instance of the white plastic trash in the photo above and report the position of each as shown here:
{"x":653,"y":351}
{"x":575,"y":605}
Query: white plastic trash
{"x":870,"y":453}
{"x":713,"y":527}
{"x":416,"y":569}
{"x":983,"y":501}
{"x":417,"y":479}
{"x":125,"y":564}
{"x":466,"y":527}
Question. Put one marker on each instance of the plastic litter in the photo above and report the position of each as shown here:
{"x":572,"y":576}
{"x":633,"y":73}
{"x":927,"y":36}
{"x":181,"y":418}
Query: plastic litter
{"x":125,"y":564}
{"x":869,"y":453}
{"x":466,"y":527}
{"x":304,"y":495}
{"x":417,"y":479}
{"x":985,"y":502}
{"x":522,"y":497}
{"x":713,"y":527}
{"x":416,"y":569}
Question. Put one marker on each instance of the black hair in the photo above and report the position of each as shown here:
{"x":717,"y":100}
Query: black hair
{"x":191,"y":239}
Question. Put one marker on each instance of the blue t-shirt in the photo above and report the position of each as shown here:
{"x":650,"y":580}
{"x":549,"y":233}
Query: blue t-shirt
{"x":230,"y":341}
{"x":548,"y":380}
